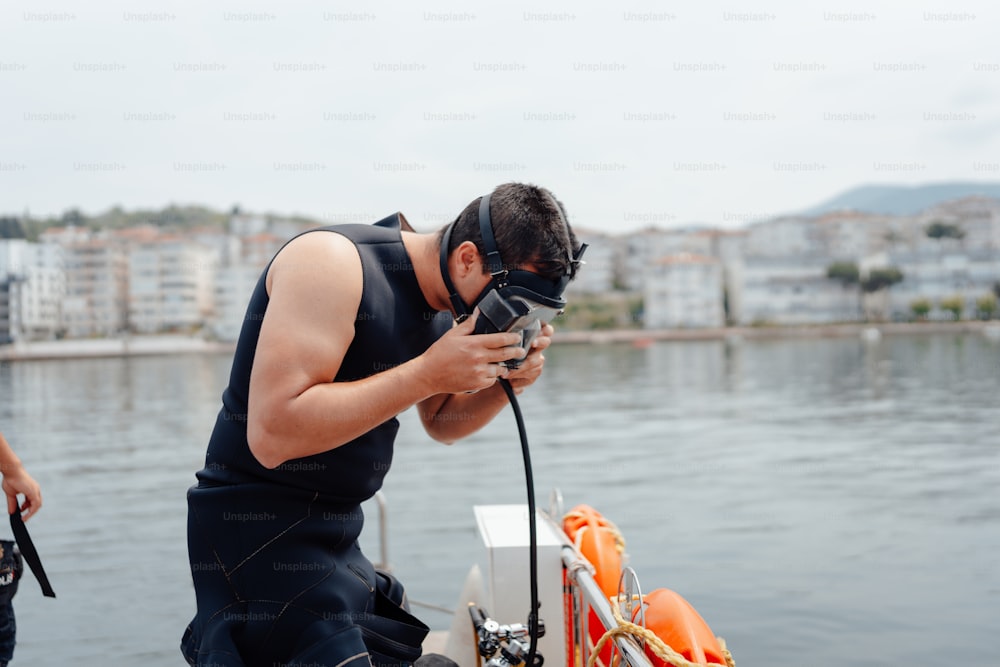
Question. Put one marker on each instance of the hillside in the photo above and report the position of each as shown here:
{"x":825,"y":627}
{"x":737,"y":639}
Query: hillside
{"x":173,"y":217}
{"x":901,"y":199}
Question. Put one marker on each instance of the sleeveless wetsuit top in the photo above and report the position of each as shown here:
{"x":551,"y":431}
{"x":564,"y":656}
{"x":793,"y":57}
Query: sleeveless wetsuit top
{"x":394,"y":324}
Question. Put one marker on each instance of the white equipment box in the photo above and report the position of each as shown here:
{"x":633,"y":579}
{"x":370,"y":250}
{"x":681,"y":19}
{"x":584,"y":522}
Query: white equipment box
{"x":505,"y":534}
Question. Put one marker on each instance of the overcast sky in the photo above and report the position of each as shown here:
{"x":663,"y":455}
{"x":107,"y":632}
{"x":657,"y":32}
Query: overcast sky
{"x":667,"y":113}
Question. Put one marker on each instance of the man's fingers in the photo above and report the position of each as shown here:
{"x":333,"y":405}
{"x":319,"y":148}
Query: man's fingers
{"x":465,"y":327}
{"x":502,"y":354}
{"x":495,"y":342}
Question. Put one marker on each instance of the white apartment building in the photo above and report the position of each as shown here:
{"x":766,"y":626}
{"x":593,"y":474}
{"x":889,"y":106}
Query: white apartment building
{"x":940,"y":275}
{"x":12,"y":257}
{"x":11,"y":270}
{"x":848,"y":235}
{"x":977,"y":217}
{"x":43,"y":291}
{"x":34,"y":286}
{"x":286,"y":229}
{"x":790,"y":290}
{"x":226,"y":247}
{"x":170,"y":284}
{"x":8,"y":324}
{"x":683,"y":291}
{"x":233,"y":286}
{"x":776,"y":271}
{"x":96,"y":288}
{"x":646,"y":247}
{"x":66,"y":235}
{"x":247,"y":224}
{"x":258,"y":249}
{"x":783,"y":237}
{"x":941,"y":268}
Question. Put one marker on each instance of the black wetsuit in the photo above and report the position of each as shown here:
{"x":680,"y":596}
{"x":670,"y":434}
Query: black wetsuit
{"x":278,"y":573}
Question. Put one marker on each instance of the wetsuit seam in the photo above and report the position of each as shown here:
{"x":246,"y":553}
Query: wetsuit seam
{"x":278,"y":536}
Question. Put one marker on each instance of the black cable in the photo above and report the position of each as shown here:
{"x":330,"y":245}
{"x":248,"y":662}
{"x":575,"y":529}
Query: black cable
{"x":532,"y":531}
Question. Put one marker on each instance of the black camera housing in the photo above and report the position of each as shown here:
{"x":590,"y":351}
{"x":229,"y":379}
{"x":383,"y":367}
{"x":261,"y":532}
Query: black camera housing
{"x":514,"y":315}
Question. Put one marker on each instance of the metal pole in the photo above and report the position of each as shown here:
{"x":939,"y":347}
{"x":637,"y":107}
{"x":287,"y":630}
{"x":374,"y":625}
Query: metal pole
{"x":595,"y":599}
{"x":383,"y":531}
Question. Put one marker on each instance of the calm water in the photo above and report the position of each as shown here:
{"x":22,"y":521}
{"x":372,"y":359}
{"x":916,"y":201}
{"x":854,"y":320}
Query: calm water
{"x":820,"y":502}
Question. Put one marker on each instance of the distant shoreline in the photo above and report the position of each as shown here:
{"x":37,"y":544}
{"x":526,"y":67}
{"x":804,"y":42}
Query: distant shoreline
{"x":156,"y":345}
{"x":96,"y":348}
{"x":867,"y":330}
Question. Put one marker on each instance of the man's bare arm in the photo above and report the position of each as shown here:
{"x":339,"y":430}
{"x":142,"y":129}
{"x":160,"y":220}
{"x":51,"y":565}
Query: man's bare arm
{"x":294,"y":409}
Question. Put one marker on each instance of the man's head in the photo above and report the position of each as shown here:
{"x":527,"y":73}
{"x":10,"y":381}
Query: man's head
{"x":513,"y":269}
{"x":530,"y":228}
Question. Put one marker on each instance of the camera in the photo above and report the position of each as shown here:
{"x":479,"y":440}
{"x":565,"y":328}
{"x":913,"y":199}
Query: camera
{"x":514,"y":313}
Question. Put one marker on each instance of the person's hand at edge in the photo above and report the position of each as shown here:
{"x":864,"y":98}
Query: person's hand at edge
{"x":19,"y":481}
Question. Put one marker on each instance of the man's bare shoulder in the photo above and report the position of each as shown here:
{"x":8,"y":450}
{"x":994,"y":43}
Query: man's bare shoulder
{"x":319,"y":255}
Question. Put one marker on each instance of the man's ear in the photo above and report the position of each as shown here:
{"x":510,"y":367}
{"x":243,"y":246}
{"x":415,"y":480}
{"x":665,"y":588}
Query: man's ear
{"x":466,"y":259}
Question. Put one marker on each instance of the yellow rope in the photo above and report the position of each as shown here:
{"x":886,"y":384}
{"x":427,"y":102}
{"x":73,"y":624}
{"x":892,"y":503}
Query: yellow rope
{"x":657,"y":645}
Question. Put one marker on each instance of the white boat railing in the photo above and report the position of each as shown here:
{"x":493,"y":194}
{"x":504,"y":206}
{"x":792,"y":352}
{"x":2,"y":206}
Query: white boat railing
{"x":383,"y":532}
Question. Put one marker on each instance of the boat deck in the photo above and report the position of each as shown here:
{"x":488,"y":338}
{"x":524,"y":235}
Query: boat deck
{"x":435,"y":641}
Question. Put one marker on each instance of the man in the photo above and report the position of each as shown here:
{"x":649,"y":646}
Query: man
{"x":343,"y":332}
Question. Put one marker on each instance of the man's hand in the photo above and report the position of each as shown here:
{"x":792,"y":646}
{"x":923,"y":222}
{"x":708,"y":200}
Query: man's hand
{"x":450,"y":415}
{"x":529,"y":370}
{"x":18,"y":481}
{"x":461,"y":361}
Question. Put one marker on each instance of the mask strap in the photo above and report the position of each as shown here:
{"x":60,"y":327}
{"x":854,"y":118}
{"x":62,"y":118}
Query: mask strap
{"x":460,"y":307}
{"x":493,"y":261}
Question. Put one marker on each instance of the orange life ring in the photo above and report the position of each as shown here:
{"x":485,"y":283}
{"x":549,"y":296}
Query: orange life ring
{"x":672,"y":618}
{"x":600,"y":542}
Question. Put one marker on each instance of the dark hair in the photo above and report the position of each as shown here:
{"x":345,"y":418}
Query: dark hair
{"x":530,"y":226}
